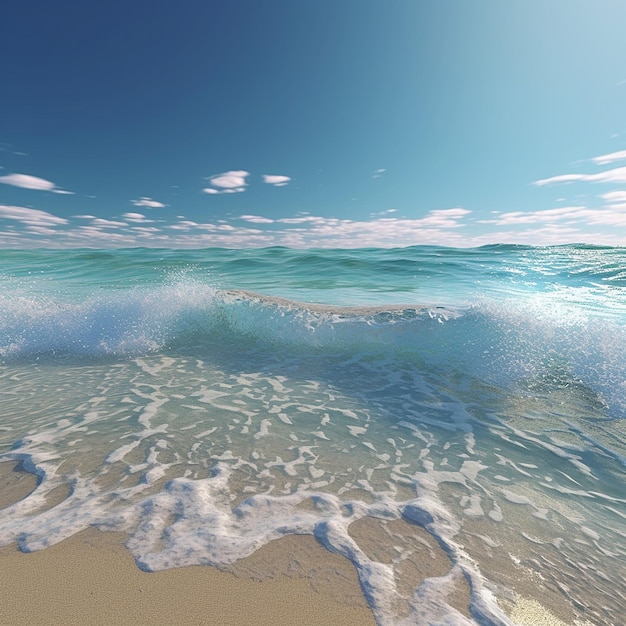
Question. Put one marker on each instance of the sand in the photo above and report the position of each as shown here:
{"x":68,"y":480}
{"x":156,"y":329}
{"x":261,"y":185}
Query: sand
{"x":91,"y":578}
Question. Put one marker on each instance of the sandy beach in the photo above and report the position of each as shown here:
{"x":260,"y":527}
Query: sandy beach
{"x":91,"y":578}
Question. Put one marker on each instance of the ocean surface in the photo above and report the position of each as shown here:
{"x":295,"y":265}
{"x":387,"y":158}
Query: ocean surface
{"x":207,"y":402}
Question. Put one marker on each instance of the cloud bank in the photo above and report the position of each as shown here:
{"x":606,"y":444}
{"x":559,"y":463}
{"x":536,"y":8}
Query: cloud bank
{"x":599,"y":222}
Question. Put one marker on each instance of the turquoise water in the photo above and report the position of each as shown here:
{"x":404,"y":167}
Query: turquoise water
{"x":209,"y":401}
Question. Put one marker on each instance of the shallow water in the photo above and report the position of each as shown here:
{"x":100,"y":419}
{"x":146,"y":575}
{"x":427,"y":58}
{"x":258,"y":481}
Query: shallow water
{"x":205,"y":403}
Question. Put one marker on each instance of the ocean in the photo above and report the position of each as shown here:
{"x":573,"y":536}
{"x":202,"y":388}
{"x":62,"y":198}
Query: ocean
{"x":408,"y":407}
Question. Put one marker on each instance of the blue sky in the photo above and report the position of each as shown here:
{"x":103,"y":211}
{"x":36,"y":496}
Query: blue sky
{"x":342,"y":123}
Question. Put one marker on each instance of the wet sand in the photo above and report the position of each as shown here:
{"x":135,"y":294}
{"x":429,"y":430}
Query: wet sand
{"x":91,"y":578}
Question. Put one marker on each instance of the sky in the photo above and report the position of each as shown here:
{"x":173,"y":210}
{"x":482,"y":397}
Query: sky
{"x":312,"y":123}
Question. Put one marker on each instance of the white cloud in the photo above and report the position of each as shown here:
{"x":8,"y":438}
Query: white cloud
{"x":316,"y":231}
{"x":256,"y":219}
{"x":386,"y":212}
{"x":378,"y":173}
{"x":107,"y":223}
{"x":88,"y":235}
{"x":605,"y":159}
{"x":31,"y":217}
{"x":228,"y":182}
{"x":439,"y":219}
{"x":612,"y":215}
{"x":617,"y":175}
{"x":145,"y":230}
{"x":444,"y":218}
{"x":306,"y":219}
{"x":149,"y":203}
{"x":276,"y":180}
{"x":614,"y":196}
{"x":41,"y":230}
{"x":438,"y":227}
{"x":135,"y":217}
{"x":25,"y":181}
{"x":544,"y":236}
{"x":533,"y":217}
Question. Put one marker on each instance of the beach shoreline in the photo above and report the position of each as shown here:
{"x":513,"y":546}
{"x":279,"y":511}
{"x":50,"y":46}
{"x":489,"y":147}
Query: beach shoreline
{"x":91,"y":578}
